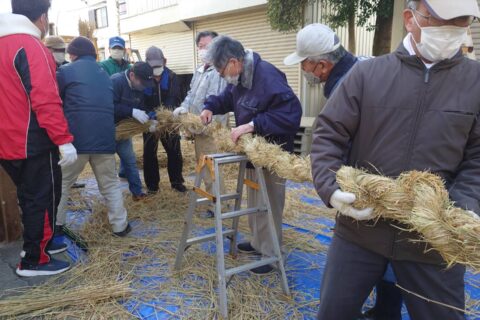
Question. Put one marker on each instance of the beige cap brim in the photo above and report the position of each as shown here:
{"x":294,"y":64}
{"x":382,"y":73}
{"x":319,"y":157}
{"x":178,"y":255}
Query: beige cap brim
{"x":448,"y":9}
{"x":292,"y":59}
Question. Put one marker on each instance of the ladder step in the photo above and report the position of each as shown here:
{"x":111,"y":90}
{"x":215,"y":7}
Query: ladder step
{"x":224,"y":197}
{"x":243,"y":212}
{"x":232,"y":159}
{"x":208,"y":237}
{"x":250,"y":266}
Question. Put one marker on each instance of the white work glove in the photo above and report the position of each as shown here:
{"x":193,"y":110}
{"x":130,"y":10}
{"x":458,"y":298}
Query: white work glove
{"x":153,"y":126}
{"x":140,"y":115}
{"x":472,"y":214}
{"x":178,"y":111}
{"x":342,"y":201}
{"x":68,"y":153}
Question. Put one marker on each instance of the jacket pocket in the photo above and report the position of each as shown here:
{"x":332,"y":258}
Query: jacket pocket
{"x":252,"y":105}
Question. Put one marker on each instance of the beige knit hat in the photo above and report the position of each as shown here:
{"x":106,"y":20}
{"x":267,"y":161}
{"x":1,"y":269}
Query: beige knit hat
{"x":55,"y":42}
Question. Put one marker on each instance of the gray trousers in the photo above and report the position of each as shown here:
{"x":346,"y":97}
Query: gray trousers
{"x":206,"y":145}
{"x":261,"y":237}
{"x":351,"y":273}
{"x":103,"y":166}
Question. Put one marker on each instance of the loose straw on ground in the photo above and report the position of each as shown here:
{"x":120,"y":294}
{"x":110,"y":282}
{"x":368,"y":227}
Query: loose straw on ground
{"x":420,"y":202}
{"x":138,"y":269}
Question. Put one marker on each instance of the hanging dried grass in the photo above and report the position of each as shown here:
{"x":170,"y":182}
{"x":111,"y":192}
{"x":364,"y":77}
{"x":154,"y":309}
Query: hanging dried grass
{"x":419,"y":201}
{"x":257,"y":149}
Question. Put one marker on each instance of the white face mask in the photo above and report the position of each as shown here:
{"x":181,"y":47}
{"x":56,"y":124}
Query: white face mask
{"x":202,"y":54}
{"x":440,"y":43}
{"x":311,"y":78}
{"x":157,"y":71}
{"x":117,"y":54}
{"x":59,"y":57}
{"x":232,"y":79}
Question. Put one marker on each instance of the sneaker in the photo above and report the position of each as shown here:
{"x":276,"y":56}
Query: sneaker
{"x":124,"y":232}
{"x":151,"y":192}
{"x":262,"y":270}
{"x":207,"y":214}
{"x":246,"y":247}
{"x":77,"y":185}
{"x":56,"y":247}
{"x":139,"y":197}
{"x":179,"y":187}
{"x":53,"y":267}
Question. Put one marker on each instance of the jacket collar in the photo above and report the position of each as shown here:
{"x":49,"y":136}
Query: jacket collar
{"x":17,"y":24}
{"x":122,"y":63}
{"x":414,"y":61}
{"x":338,"y":72}
{"x":250,"y":60}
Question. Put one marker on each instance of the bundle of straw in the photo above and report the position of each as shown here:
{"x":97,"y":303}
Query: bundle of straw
{"x":167,"y":123}
{"x":267,"y":155}
{"x":420,"y":201}
{"x":260,"y":152}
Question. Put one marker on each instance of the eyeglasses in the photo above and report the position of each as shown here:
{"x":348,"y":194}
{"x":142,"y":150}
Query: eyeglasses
{"x":463,"y":21}
{"x":222,"y":71}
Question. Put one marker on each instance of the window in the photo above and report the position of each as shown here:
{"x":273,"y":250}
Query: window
{"x":122,"y":7}
{"x":101,"y":19}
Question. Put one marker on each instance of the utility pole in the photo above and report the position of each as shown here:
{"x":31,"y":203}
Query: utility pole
{"x":117,"y":5}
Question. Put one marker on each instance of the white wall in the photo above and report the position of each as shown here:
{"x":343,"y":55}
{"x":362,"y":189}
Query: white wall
{"x":174,"y":11}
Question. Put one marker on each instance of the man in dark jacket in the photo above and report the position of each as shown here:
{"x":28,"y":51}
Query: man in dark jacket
{"x":32,"y":132}
{"x":165,"y":93}
{"x":396,"y":113}
{"x":324,"y":60}
{"x":87,"y":95}
{"x":128,"y":101}
{"x":264,"y":104}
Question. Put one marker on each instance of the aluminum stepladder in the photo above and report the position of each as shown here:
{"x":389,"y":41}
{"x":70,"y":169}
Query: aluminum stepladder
{"x":210,"y":164}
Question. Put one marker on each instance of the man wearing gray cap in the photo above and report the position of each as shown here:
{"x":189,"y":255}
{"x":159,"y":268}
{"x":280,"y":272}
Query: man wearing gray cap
{"x":165,"y":92}
{"x":413,"y":109}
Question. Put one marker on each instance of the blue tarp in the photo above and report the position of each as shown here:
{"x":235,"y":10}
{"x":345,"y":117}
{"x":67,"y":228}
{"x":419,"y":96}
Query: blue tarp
{"x":304,"y":270}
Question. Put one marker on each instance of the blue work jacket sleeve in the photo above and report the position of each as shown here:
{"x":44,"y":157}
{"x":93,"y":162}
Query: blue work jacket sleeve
{"x":222,"y":103}
{"x":282,"y":116}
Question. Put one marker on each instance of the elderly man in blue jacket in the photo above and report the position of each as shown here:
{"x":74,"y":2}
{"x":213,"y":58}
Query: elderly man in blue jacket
{"x":86,"y":91}
{"x":263,"y":104}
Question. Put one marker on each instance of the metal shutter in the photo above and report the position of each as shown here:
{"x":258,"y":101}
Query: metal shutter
{"x":178,"y":48}
{"x":254,"y":32}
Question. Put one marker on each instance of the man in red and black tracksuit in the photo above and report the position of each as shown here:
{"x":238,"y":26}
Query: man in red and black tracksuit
{"x":32,"y":132}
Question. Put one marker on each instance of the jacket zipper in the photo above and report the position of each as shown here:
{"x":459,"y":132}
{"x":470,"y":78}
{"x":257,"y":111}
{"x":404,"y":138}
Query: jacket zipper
{"x":418,"y":116}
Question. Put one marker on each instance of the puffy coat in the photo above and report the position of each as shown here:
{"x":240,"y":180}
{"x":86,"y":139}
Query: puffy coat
{"x":30,"y":107}
{"x":87,"y":93}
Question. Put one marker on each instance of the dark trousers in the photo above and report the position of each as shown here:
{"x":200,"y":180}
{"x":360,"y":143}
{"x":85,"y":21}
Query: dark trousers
{"x":39,"y":186}
{"x":151,"y":173}
{"x":351,"y":272}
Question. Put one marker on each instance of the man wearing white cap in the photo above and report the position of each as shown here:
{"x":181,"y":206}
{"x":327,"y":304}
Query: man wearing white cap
{"x":323,"y":59}
{"x":413,"y":109}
